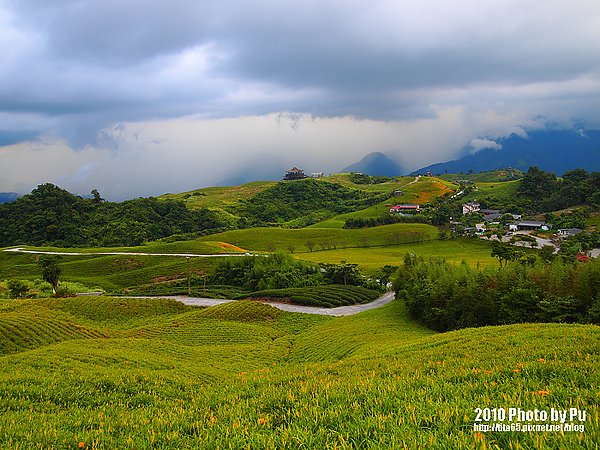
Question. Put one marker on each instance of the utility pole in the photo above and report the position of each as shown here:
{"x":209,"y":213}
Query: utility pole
{"x":188,"y":271}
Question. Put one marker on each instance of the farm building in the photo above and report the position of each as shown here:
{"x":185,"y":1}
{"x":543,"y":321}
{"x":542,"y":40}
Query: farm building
{"x":294,"y":174}
{"x":403,"y":208}
{"x":530,"y":225}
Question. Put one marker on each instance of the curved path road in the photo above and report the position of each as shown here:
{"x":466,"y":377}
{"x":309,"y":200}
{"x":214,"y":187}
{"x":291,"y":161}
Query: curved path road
{"x":339,"y":311}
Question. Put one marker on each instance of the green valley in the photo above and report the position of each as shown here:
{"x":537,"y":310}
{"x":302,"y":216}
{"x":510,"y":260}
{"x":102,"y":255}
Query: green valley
{"x":110,"y":371}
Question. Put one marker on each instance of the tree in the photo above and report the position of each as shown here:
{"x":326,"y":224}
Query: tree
{"x":310,"y":245}
{"x":546,"y":253}
{"x":51,"y":271}
{"x":504,"y":253}
{"x":384,"y":274}
{"x":343,"y":273}
{"x":97,"y":198}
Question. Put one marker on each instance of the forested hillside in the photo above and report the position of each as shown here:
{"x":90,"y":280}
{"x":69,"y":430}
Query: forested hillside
{"x":50,"y":215}
{"x":304,"y":202}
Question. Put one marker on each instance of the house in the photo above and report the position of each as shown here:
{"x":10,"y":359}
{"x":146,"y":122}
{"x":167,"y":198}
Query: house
{"x":566,"y":232}
{"x":470,"y":207}
{"x":492,"y":217}
{"x":487,"y":212}
{"x":317,"y":175}
{"x":529,"y":225}
{"x":402,"y":208}
{"x":294,"y":174}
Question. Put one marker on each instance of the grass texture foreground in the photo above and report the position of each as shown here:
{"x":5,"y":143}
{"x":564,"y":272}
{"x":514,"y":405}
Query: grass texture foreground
{"x":108,"y":373}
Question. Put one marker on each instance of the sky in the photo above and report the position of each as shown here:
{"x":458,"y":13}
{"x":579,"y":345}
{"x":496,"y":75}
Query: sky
{"x":143,"y":97}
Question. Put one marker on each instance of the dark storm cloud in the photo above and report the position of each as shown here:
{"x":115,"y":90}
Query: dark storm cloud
{"x":361,"y":58}
{"x":417,"y":78}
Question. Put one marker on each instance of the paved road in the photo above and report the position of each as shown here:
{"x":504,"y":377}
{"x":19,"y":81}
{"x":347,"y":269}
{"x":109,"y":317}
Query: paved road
{"x":195,"y":255}
{"x":339,"y":311}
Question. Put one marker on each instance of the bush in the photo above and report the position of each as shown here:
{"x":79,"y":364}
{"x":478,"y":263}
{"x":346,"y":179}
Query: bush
{"x":327,"y":296}
{"x":17,"y":288}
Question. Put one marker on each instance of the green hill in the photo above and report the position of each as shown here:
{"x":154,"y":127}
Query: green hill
{"x":155,"y":374}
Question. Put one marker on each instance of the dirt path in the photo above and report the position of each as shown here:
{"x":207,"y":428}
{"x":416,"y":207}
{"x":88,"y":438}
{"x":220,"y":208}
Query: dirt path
{"x":339,"y":311}
{"x":194,"y":255}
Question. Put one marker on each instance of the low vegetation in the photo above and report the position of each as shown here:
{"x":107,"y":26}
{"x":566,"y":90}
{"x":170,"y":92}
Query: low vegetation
{"x":153,"y":373}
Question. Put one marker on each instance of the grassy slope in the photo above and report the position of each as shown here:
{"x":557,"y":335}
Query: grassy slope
{"x":111,"y":273}
{"x":219,"y":197}
{"x":421,"y":192}
{"x":501,"y":191}
{"x":245,"y":375}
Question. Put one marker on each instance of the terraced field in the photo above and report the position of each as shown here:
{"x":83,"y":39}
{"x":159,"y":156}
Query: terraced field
{"x":158,"y":374}
{"x":328,"y":296}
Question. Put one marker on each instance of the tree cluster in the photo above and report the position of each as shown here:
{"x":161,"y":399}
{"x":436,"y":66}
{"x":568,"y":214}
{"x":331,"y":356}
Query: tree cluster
{"x":385,"y":219}
{"x":445,"y":297}
{"x":277,"y":271}
{"x":542,"y":191}
{"x":362,"y":178}
{"x":52,"y":216}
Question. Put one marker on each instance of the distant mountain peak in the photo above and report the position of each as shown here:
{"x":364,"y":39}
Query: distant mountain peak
{"x":376,"y":164}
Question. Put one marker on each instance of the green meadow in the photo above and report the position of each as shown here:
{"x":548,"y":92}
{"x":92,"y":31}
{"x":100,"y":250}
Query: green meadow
{"x":503,"y":192}
{"x":271,"y":239}
{"x":473,"y":251}
{"x":149,"y":373}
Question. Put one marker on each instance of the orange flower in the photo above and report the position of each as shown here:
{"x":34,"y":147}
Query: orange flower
{"x":543,"y":392}
{"x":81,"y":445}
{"x":541,"y":360}
{"x":478,"y":435}
{"x":262,"y":420}
{"x":517,"y":370}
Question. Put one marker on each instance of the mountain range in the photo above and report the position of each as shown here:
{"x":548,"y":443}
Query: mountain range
{"x":555,"y":151}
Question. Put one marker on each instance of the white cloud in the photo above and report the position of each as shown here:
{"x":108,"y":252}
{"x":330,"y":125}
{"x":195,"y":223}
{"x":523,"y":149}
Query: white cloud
{"x":154,"y":157}
{"x":480,"y":144}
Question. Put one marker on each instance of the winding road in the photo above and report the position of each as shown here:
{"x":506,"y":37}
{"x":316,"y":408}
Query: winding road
{"x":337,"y":312}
